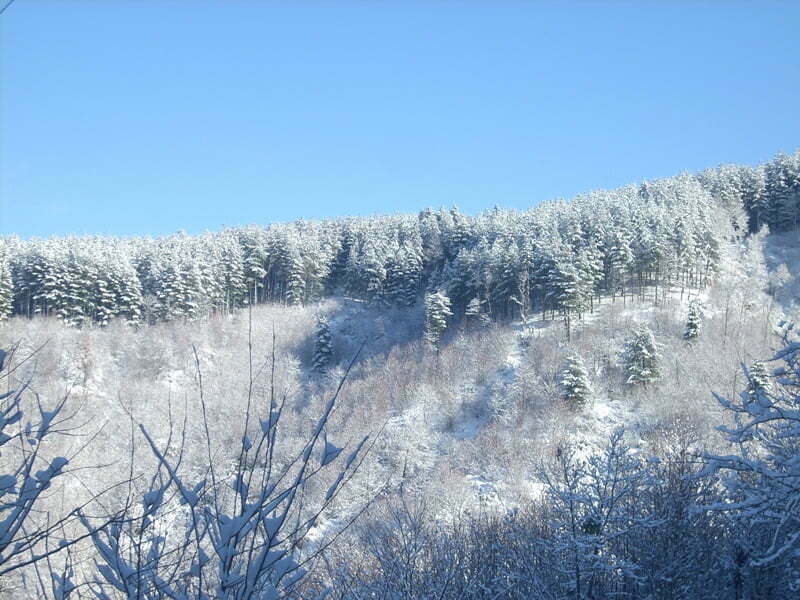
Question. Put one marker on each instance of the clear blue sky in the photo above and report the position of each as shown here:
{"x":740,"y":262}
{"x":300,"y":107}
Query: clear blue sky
{"x":152,"y":116}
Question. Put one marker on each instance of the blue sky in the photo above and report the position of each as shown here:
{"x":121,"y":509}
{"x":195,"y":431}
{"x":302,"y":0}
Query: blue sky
{"x":147,"y":117}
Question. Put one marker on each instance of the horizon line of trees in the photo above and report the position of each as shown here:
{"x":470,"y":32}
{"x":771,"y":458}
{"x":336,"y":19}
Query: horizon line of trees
{"x":558,"y":256}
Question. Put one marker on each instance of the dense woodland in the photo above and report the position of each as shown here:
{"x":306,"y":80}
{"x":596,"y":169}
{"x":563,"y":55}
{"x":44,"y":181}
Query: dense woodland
{"x":559,"y":256}
{"x":397,"y":416}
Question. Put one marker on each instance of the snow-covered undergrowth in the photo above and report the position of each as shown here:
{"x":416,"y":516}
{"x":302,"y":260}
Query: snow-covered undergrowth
{"x":465,"y":429}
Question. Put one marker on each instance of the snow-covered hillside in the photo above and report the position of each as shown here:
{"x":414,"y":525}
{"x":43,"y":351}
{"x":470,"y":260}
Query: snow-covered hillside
{"x":465,"y":426}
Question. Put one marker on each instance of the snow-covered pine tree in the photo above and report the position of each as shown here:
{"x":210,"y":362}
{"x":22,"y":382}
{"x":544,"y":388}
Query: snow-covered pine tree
{"x":694,"y":321}
{"x":345,"y":240}
{"x":128,"y":291}
{"x":590,"y":267}
{"x":783,"y":188}
{"x":460,"y":275}
{"x":568,"y":290}
{"x":726,"y":185}
{"x":576,"y":389}
{"x":758,"y":380}
{"x":177,"y":279}
{"x":431,"y":246}
{"x":45,"y":282}
{"x":6,"y":290}
{"x":373,"y":275}
{"x":395,"y":286}
{"x":684,"y":246}
{"x":504,"y":263}
{"x":437,"y":309}
{"x":323,"y":346}
{"x":79,"y":289}
{"x":255,"y":258}
{"x":458,"y":234}
{"x":473,"y":311}
{"x":619,"y":258}
{"x":295,"y":279}
{"x":413,"y":273}
{"x":640,"y":358}
{"x":754,"y":196}
{"x":231,"y":259}
{"x":316,"y":264}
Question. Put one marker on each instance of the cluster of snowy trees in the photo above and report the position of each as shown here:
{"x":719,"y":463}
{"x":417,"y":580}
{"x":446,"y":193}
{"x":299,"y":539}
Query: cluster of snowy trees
{"x":615,"y":520}
{"x":558,"y":257}
{"x":770,"y":193}
{"x":630,"y":516}
{"x":640,"y":361}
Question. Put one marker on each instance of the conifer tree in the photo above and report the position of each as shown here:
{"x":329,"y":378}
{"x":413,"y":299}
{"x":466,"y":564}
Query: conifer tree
{"x":295,"y":279}
{"x":505,"y":279}
{"x":460,"y":276}
{"x":574,"y":380}
{"x":395,"y":286}
{"x":6,"y":290}
{"x":316,"y":266}
{"x":754,"y":196}
{"x":231,"y":259}
{"x":758,"y":380}
{"x":568,"y":290}
{"x":640,"y":358}
{"x":323,"y":346}
{"x":473,"y":311}
{"x":782,"y":183}
{"x":619,"y":260}
{"x":128,"y":291}
{"x":413,"y":270}
{"x":437,"y":309}
{"x":255,"y":258}
{"x":178,"y":280}
{"x":373,"y":275}
{"x":344,"y":244}
{"x":693,"y":322}
{"x":590,"y":266}
{"x":105,"y":304}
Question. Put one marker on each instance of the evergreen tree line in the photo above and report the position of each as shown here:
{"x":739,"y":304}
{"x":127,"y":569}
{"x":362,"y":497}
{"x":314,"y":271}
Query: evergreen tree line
{"x":558,"y":257}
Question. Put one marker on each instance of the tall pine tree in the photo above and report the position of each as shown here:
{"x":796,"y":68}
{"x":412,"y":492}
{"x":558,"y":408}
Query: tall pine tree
{"x":437,"y":309}
{"x":6,"y":290}
{"x":323,"y":346}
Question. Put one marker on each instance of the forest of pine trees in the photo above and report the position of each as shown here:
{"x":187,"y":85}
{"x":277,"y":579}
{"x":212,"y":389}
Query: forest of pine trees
{"x":558,"y":257}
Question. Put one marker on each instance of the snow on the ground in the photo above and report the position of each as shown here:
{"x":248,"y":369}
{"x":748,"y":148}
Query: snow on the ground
{"x":423,"y":434}
{"x":604,"y":415}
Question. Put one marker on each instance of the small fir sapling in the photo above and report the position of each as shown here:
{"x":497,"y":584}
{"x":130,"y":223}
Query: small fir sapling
{"x":576,"y":388}
{"x":437,"y":309}
{"x":323,"y":346}
{"x":641,"y":360}
{"x":694,"y":321}
{"x":758,"y":380}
